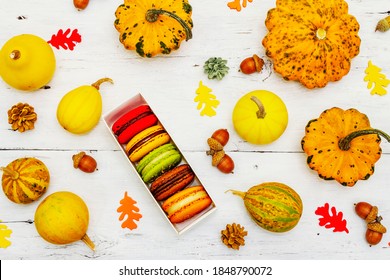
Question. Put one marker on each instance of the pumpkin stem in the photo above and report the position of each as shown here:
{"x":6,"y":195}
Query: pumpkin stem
{"x":239,"y":193}
{"x":261,"y":112}
{"x":15,"y":55}
{"x":152,"y":16}
{"x":12,"y":173}
{"x":89,"y":242}
{"x":321,"y":33}
{"x":99,"y":82}
{"x":345,"y":143}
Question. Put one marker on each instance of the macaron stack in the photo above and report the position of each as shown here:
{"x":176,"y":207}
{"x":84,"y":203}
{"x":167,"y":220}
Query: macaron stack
{"x":160,"y":164}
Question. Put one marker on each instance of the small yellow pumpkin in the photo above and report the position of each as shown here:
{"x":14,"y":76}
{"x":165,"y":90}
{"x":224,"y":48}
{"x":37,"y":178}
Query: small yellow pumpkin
{"x":25,"y":180}
{"x":260,"y":117}
{"x":79,"y":110}
{"x":152,"y":27}
{"x":63,"y":218}
{"x":341,"y":145}
{"x":311,"y":41}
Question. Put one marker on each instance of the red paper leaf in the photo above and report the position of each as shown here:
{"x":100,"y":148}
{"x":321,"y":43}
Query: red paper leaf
{"x":331,"y":220}
{"x":61,"y":39}
{"x":128,"y":209}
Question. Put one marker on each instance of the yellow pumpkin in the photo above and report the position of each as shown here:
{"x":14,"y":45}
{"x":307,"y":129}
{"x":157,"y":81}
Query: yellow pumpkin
{"x":152,"y":27}
{"x":63,"y":218}
{"x":311,"y":41}
{"x":80,"y":109}
{"x":341,"y":145}
{"x":25,"y":180}
{"x":260,"y":117}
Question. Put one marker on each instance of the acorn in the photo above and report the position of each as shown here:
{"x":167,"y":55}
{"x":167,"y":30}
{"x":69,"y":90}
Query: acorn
{"x":84,"y":162}
{"x":252,"y":64}
{"x":383,"y":25}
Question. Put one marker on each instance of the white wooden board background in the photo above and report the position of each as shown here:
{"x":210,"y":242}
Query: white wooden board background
{"x":169,"y":84}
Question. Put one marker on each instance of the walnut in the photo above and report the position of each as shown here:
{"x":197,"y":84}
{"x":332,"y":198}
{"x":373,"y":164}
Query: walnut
{"x":22,"y":117}
{"x":233,"y":236}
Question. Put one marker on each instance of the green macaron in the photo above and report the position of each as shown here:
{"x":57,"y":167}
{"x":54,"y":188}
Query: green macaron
{"x":158,"y":161}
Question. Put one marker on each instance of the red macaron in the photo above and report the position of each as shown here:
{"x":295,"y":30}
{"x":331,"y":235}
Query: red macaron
{"x":133,"y":122}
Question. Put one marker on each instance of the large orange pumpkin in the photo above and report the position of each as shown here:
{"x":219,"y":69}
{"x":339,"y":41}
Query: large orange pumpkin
{"x":311,"y":41}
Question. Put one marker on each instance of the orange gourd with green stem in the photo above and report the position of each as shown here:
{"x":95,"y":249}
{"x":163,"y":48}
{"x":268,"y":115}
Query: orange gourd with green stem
{"x":153,"y":27}
{"x":342,"y":145}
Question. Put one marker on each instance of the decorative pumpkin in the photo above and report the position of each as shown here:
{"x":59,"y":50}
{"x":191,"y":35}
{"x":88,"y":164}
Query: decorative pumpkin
{"x":311,"y":42}
{"x":80,"y":109}
{"x":152,"y":27}
{"x":25,"y":180}
{"x":260,"y":117}
{"x":341,"y":145}
{"x":63,"y":218}
{"x":274,"y":206}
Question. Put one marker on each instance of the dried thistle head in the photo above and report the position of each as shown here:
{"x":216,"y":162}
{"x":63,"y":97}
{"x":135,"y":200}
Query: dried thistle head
{"x":22,"y":117}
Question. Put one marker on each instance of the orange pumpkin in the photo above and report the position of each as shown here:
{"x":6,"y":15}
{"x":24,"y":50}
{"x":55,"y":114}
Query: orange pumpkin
{"x":25,"y":180}
{"x":341,"y":145}
{"x":311,"y":41}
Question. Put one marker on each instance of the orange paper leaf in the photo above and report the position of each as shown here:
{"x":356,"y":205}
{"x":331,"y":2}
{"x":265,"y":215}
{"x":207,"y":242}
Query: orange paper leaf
{"x":128,"y":209}
{"x":236,"y":4}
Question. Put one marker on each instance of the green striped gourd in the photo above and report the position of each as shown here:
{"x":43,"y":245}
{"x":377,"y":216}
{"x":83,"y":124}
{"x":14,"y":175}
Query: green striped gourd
{"x":25,"y":180}
{"x":274,"y":206}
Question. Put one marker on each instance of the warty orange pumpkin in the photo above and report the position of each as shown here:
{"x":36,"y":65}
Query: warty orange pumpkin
{"x":152,"y":27}
{"x":313,"y":41}
{"x":341,"y":145}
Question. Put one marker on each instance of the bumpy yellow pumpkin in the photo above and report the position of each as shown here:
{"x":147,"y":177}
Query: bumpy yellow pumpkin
{"x":25,"y":180}
{"x":311,"y":41}
{"x":152,"y":27}
{"x":341,"y":145}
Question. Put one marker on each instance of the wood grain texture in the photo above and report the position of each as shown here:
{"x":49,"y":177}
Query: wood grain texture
{"x":169,"y":84}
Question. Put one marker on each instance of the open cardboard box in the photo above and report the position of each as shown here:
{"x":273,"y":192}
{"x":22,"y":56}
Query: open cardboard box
{"x":115,"y":114}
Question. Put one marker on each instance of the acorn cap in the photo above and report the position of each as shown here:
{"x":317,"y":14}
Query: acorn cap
{"x":372,"y":215}
{"x":376,"y":226}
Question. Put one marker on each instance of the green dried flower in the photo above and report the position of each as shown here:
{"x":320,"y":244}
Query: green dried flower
{"x":216,"y":68}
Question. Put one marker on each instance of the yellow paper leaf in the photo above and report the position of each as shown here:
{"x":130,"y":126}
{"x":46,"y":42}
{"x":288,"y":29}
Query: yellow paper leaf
{"x":376,"y":79}
{"x":206,"y":100}
{"x":128,"y":209}
{"x":5,"y":233}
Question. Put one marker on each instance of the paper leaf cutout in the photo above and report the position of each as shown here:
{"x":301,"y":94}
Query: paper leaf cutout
{"x":333,"y":220}
{"x":5,"y":233}
{"x":128,"y":209}
{"x":375,"y":78}
{"x":236,"y":4}
{"x":61,"y":39}
{"x":206,"y":100}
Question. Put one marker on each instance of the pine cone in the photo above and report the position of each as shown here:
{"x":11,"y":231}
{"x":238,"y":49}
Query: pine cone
{"x":233,"y":236}
{"x":216,"y":68}
{"x":22,"y":117}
